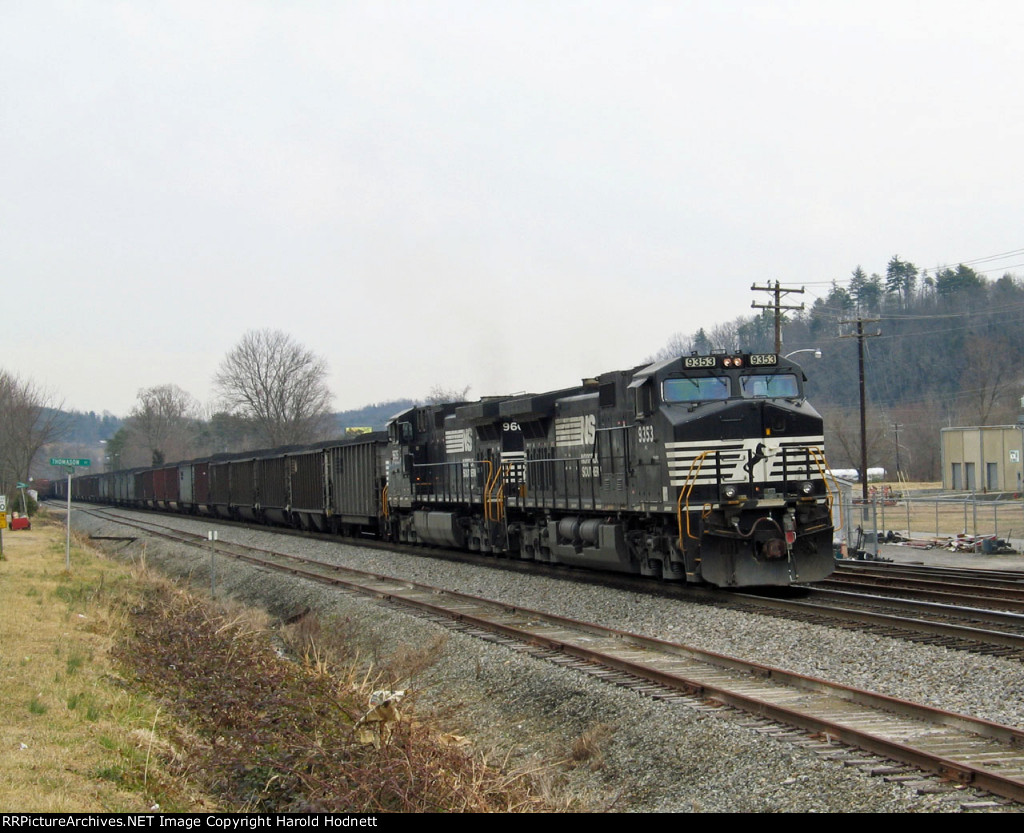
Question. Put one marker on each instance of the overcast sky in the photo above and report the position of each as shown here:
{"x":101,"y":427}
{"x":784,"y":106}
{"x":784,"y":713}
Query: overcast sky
{"x":507,"y":195}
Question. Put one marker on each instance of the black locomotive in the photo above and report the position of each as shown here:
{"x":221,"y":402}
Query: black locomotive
{"x":703,"y":468}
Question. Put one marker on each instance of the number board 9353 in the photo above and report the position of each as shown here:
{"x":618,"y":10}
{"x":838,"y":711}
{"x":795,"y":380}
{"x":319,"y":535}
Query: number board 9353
{"x":763,"y":359}
{"x":699,"y":361}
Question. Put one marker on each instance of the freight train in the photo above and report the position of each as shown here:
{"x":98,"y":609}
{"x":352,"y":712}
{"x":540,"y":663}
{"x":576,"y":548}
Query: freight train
{"x":700,"y":468}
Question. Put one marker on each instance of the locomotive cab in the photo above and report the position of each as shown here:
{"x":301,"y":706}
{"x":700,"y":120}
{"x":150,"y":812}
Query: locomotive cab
{"x":743,"y":463}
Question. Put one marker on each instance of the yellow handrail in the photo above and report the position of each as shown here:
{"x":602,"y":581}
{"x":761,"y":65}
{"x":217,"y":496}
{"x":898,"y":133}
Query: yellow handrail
{"x":488,"y":485}
{"x":687,"y":487}
{"x":497,"y":486}
{"x":817,"y":455}
{"x":820,"y":462}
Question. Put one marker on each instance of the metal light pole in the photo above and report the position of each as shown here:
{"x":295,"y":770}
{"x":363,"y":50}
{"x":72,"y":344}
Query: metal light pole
{"x":67,"y":544}
{"x":815,"y":350}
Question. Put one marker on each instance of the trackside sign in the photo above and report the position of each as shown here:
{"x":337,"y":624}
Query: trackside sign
{"x":69,"y":461}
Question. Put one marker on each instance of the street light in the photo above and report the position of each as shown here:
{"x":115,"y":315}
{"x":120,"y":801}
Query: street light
{"x":815,"y":350}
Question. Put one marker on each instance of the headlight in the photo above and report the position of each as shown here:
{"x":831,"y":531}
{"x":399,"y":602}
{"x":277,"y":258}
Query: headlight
{"x":729,"y":492}
{"x":807,"y":488}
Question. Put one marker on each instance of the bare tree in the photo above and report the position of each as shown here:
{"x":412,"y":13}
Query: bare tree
{"x":279,"y":385}
{"x":440,"y":394}
{"x":30,"y":420}
{"x":160,"y":422}
{"x":990,"y":382}
{"x":842,"y":437}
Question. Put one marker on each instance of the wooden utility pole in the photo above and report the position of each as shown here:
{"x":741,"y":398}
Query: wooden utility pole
{"x":860,"y":336}
{"x":778,"y":291}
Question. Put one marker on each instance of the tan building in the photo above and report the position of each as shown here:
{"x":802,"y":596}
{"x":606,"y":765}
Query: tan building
{"x":983,"y":459}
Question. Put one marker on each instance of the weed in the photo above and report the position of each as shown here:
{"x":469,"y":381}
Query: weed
{"x":407,"y":663}
{"x":73,"y":594}
{"x":37,"y":706}
{"x":91,"y":710}
{"x":111,"y":773}
{"x":275,"y":735}
{"x":75,"y":662}
{"x":587,"y":748}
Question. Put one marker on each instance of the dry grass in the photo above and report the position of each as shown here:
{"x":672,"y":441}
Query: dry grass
{"x":72,"y":738}
{"x":123,"y":692}
{"x":275,"y":735}
{"x":588,"y":748}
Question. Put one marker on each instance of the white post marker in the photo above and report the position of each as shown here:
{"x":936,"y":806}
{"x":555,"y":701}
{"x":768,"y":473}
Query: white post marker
{"x":69,"y":464}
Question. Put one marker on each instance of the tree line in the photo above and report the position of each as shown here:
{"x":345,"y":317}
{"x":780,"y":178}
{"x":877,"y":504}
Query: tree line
{"x":943,"y":348}
{"x":947,"y":352}
{"x":271,"y":391}
{"x":30,"y":422}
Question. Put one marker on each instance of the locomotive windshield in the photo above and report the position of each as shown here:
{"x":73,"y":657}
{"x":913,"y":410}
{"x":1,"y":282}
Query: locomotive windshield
{"x":699,"y":389}
{"x":781,"y":385}
{"x":717,"y":388}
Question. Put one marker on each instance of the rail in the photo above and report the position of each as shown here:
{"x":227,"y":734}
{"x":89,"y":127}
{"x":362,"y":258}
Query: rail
{"x":450,"y":482}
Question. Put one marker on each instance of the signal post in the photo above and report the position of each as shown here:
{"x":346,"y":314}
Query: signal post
{"x":69,"y":464}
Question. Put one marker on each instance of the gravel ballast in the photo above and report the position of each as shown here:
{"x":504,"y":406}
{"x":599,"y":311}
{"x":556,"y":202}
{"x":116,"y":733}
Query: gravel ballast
{"x":653,"y":756}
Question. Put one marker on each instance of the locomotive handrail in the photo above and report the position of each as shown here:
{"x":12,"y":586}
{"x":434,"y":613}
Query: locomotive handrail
{"x":499,"y":496}
{"x":688,"y":484}
{"x":460,"y":491}
{"x":814,"y":452}
{"x":486,"y":489}
{"x":561,"y":487}
{"x":822,"y":464}
{"x":385,"y":508}
{"x":494,"y":502}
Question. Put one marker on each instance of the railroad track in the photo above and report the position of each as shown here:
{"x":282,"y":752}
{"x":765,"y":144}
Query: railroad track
{"x":964,"y":587}
{"x":991,"y":633}
{"x":830,"y":718}
{"x":949,"y":625}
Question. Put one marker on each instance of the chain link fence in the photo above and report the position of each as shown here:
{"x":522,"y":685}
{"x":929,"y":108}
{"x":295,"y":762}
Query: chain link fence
{"x":924,"y":518}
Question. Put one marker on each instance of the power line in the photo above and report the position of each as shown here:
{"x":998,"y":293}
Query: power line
{"x":986,"y":259}
{"x":778,"y":306}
